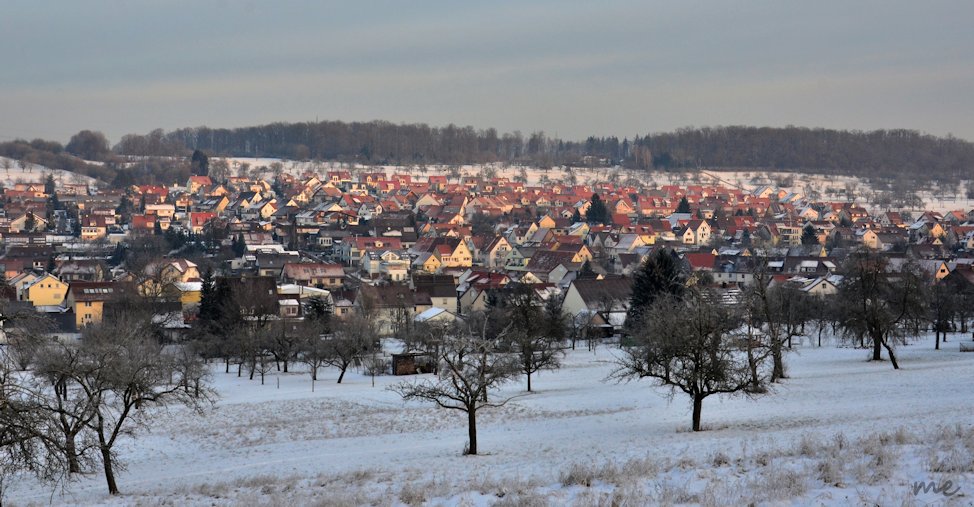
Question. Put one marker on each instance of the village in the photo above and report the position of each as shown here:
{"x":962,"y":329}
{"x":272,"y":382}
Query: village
{"x":437,"y":246}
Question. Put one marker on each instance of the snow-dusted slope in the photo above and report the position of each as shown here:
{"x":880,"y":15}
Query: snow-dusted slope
{"x":36,"y":173}
{"x":840,"y":431}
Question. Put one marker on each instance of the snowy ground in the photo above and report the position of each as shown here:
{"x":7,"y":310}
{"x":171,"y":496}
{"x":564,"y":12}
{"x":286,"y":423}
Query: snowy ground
{"x":36,"y":173}
{"x":840,"y":431}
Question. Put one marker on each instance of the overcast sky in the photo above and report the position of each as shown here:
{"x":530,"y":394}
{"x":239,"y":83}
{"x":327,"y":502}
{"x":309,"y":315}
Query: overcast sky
{"x":567,"y":68}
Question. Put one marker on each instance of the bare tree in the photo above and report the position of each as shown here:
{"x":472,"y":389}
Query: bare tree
{"x":311,"y":348}
{"x":776,"y":313}
{"x":537,"y":344}
{"x":123,"y":370}
{"x":877,"y":301}
{"x":688,"y":344}
{"x":471,"y":364}
{"x":28,"y":444}
{"x":353,"y":338}
{"x":26,"y":331}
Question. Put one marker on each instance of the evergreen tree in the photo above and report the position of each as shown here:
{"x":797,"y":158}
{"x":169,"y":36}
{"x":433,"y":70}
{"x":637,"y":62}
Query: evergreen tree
{"x":586,"y":271}
{"x":30,"y":223}
{"x":809,"y":237}
{"x":319,"y":310}
{"x":597,"y":212}
{"x":746,"y":238}
{"x":199,"y":163}
{"x":684,"y":206}
{"x":239,"y":245}
{"x":208,"y":304}
{"x":660,"y":275}
{"x":576,"y":217}
{"x":49,"y":185}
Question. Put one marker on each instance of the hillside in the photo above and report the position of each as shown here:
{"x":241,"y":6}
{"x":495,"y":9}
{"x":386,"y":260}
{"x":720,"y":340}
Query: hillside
{"x":838,"y":432}
{"x":876,"y":154}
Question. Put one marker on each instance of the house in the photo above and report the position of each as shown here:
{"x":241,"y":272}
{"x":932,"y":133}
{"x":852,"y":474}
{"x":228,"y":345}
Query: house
{"x":87,"y":300}
{"x":441,"y":289}
{"x":322,"y":275}
{"x":81,"y":270}
{"x":46,"y":290}
{"x":696,"y":232}
{"x":607,"y":298}
{"x":390,"y":307}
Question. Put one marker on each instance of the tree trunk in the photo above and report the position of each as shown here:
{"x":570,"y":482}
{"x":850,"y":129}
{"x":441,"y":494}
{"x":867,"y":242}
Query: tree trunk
{"x":892,"y":356}
{"x":752,"y":364}
{"x":71,"y":450}
{"x":106,"y":459}
{"x":342,"y":374}
{"x":529,"y":382}
{"x":778,"y":371}
{"x":697,"y":408}
{"x":936,"y":342}
{"x":472,"y":430}
{"x":228,"y":364}
{"x":877,"y":348}
{"x":285,"y":366}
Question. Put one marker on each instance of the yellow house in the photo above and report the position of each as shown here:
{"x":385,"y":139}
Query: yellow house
{"x":87,"y":300}
{"x":162,"y":276}
{"x":546,"y":222}
{"x":428,"y":263}
{"x":190,"y":293}
{"x":459,"y":257}
{"x":45,"y":291}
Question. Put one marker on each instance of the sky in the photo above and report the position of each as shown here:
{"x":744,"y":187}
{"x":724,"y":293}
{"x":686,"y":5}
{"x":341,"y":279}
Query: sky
{"x":570,"y":69}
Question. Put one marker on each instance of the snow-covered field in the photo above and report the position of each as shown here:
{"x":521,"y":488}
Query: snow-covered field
{"x":36,"y":173}
{"x":840,"y":431}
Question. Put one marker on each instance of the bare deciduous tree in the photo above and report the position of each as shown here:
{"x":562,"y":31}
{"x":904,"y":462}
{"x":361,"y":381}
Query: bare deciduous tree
{"x":689,"y":345}
{"x":470,"y":366}
{"x":877,"y":301}
{"x":353,"y":338}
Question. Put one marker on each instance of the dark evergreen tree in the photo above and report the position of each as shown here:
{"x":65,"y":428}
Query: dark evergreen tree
{"x":576,"y":217}
{"x":684,"y":206}
{"x":30,"y":223}
{"x":809,"y":237}
{"x":239,"y":245}
{"x":199,"y":163}
{"x":319,"y":311}
{"x":597,"y":212}
{"x":586,"y":271}
{"x":660,"y":275}
{"x":208,"y":303}
{"x":49,"y":185}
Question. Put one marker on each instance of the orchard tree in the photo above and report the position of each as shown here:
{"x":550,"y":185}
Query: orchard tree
{"x":688,"y":344}
{"x":877,"y":301}
{"x":353,"y":338}
{"x":471,"y":364}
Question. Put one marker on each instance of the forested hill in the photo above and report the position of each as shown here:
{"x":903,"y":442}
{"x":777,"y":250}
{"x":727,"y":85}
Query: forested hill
{"x":882,"y":153}
{"x":161,"y":157}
